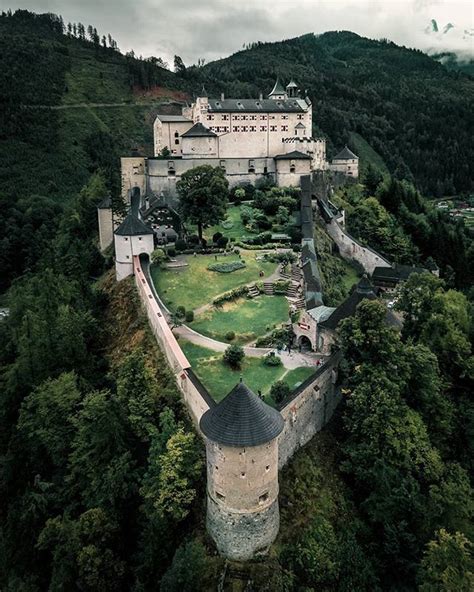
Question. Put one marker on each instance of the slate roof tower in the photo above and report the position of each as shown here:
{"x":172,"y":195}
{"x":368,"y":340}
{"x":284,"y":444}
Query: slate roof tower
{"x":241,"y":435}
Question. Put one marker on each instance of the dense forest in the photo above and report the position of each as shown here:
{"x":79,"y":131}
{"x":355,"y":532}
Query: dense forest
{"x":102,"y":474}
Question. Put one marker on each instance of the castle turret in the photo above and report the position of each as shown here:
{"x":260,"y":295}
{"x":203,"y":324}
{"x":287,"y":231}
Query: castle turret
{"x":292,"y":89}
{"x":278,"y":93}
{"x":131,"y":238}
{"x":242,"y":473}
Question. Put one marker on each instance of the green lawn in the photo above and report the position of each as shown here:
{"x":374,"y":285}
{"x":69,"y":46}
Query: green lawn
{"x":195,"y":285}
{"x":219,"y":379}
{"x":249,"y":319}
{"x":237,"y":231}
{"x":350,"y":275}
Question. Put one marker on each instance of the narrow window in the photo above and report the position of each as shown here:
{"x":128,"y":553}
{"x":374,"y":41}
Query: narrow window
{"x":220,"y":496}
{"x":263,"y":498}
{"x":176,"y":141}
{"x":176,"y":134}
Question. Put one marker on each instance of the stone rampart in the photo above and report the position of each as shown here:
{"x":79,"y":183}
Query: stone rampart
{"x":308,"y":409}
{"x":352,"y":250}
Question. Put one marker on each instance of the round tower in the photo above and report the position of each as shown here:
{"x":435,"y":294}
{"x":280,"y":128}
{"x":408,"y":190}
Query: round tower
{"x":242,"y":473}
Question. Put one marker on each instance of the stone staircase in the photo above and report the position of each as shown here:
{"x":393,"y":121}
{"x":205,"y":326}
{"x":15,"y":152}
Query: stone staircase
{"x":284,"y":273}
{"x":298,"y":303}
{"x":253,"y":291}
{"x":293,"y":290}
{"x":296,"y":273}
{"x":268,"y":288}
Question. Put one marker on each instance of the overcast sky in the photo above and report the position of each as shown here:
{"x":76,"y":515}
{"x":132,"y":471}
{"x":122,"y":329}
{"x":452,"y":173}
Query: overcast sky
{"x":212,"y":29}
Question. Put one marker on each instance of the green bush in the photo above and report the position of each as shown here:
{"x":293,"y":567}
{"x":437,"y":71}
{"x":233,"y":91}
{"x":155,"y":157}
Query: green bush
{"x":180,"y":244}
{"x":279,"y":391}
{"x":227,"y":267}
{"x":230,"y":335}
{"x":272,"y":360}
{"x":216,"y":236}
{"x":230,"y":295}
{"x":171,"y":251}
{"x":222,"y":242}
{"x":281,"y":286}
{"x":234,"y":355}
{"x":180,"y":312}
{"x":189,"y":316}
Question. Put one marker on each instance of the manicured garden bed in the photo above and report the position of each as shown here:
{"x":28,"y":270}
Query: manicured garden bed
{"x":220,"y":379}
{"x":249,"y":319}
{"x":194,"y":286}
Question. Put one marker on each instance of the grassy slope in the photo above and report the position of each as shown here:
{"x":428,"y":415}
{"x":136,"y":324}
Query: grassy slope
{"x":196,"y":286}
{"x":219,"y":379}
{"x":249,"y":319}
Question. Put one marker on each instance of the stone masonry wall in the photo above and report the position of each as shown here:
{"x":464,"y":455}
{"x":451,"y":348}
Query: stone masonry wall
{"x":309,"y":411}
{"x":350,"y":249}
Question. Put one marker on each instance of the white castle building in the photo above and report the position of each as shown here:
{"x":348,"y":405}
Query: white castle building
{"x":249,"y":138}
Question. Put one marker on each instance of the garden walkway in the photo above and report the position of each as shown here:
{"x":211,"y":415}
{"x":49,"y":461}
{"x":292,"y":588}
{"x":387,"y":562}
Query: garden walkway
{"x":292,"y":360}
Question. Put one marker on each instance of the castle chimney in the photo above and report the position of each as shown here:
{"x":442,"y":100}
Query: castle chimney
{"x":222,"y":96}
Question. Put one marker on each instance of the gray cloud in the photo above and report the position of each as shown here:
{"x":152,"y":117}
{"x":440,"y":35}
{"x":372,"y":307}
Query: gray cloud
{"x":212,"y":29}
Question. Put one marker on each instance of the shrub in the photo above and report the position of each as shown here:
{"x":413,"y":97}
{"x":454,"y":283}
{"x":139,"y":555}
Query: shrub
{"x":263,"y":222}
{"x":171,"y":251}
{"x":281,"y":286}
{"x":272,"y":360}
{"x":246,"y":214}
{"x":189,"y":316}
{"x":158,"y":257}
{"x":230,"y":335}
{"x":193,"y":239}
{"x":279,"y":391}
{"x":234,"y":355}
{"x":216,"y":236}
{"x":222,"y":242}
{"x":180,"y":312}
{"x":180,"y":244}
{"x":230,"y":295}
{"x":226,"y":267}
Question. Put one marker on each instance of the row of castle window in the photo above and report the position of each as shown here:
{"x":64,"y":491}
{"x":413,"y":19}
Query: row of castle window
{"x":261,"y":498}
{"x":225,"y":117}
{"x":247,"y":128}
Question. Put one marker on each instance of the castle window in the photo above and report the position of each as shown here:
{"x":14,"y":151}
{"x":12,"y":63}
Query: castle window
{"x":176,"y":134}
{"x":284,"y":128}
{"x":244,"y":117}
{"x":251,"y":166}
{"x":292,"y":168}
{"x":242,"y":475}
{"x":253,"y":117}
{"x":284,"y":116}
{"x":273,"y":128}
{"x":267,"y":468}
{"x":244,"y":128}
{"x":210,"y":117}
{"x":225,"y":117}
{"x":176,"y":141}
{"x":236,"y":128}
{"x":263,"y":498}
{"x":171,"y":172}
{"x":263,"y":128}
{"x":220,"y":496}
{"x":253,"y":128}
{"x":265,"y":170}
{"x":300,"y":116}
{"x":128,"y":256}
{"x":125,"y":238}
{"x":263,"y":117}
{"x":139,"y":238}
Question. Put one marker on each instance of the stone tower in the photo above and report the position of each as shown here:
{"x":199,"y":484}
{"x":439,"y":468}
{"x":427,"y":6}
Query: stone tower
{"x":242,"y":473}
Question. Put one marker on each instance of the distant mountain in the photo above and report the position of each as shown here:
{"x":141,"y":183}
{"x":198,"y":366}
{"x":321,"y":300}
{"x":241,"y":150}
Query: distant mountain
{"x":410,"y":109}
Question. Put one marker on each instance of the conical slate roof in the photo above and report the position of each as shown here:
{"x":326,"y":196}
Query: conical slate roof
{"x":292,"y":84}
{"x":345,"y":154}
{"x":132,"y":226}
{"x":241,"y":419}
{"x":198,"y":130}
{"x":278,"y":89}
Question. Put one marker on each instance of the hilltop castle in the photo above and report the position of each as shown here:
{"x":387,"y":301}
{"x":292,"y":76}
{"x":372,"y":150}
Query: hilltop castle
{"x":249,"y":138}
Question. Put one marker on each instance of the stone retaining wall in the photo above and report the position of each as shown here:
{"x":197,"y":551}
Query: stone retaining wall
{"x":350,"y":249}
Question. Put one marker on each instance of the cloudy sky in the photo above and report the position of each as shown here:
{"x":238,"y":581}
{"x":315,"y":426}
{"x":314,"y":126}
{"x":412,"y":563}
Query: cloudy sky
{"x":211,"y":29}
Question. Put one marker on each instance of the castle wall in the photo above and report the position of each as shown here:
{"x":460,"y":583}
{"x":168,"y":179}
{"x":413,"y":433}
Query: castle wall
{"x":305,"y":327}
{"x":133,"y":175}
{"x":242,"y":485}
{"x":349,"y":167}
{"x":200,"y":147}
{"x":350,"y":249}
{"x":196,"y":401}
{"x":167,"y":134}
{"x":106,"y":227}
{"x":288,"y":172}
{"x":237,"y":171}
{"x":309,"y":410}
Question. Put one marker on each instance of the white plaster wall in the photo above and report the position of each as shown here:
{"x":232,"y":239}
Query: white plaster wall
{"x":287,"y":179}
{"x":349,"y":167}
{"x":350,"y":249}
{"x":200,"y":147}
{"x":164,"y":135}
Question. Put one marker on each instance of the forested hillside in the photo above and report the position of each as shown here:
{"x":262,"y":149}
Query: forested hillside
{"x":411,"y":110}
